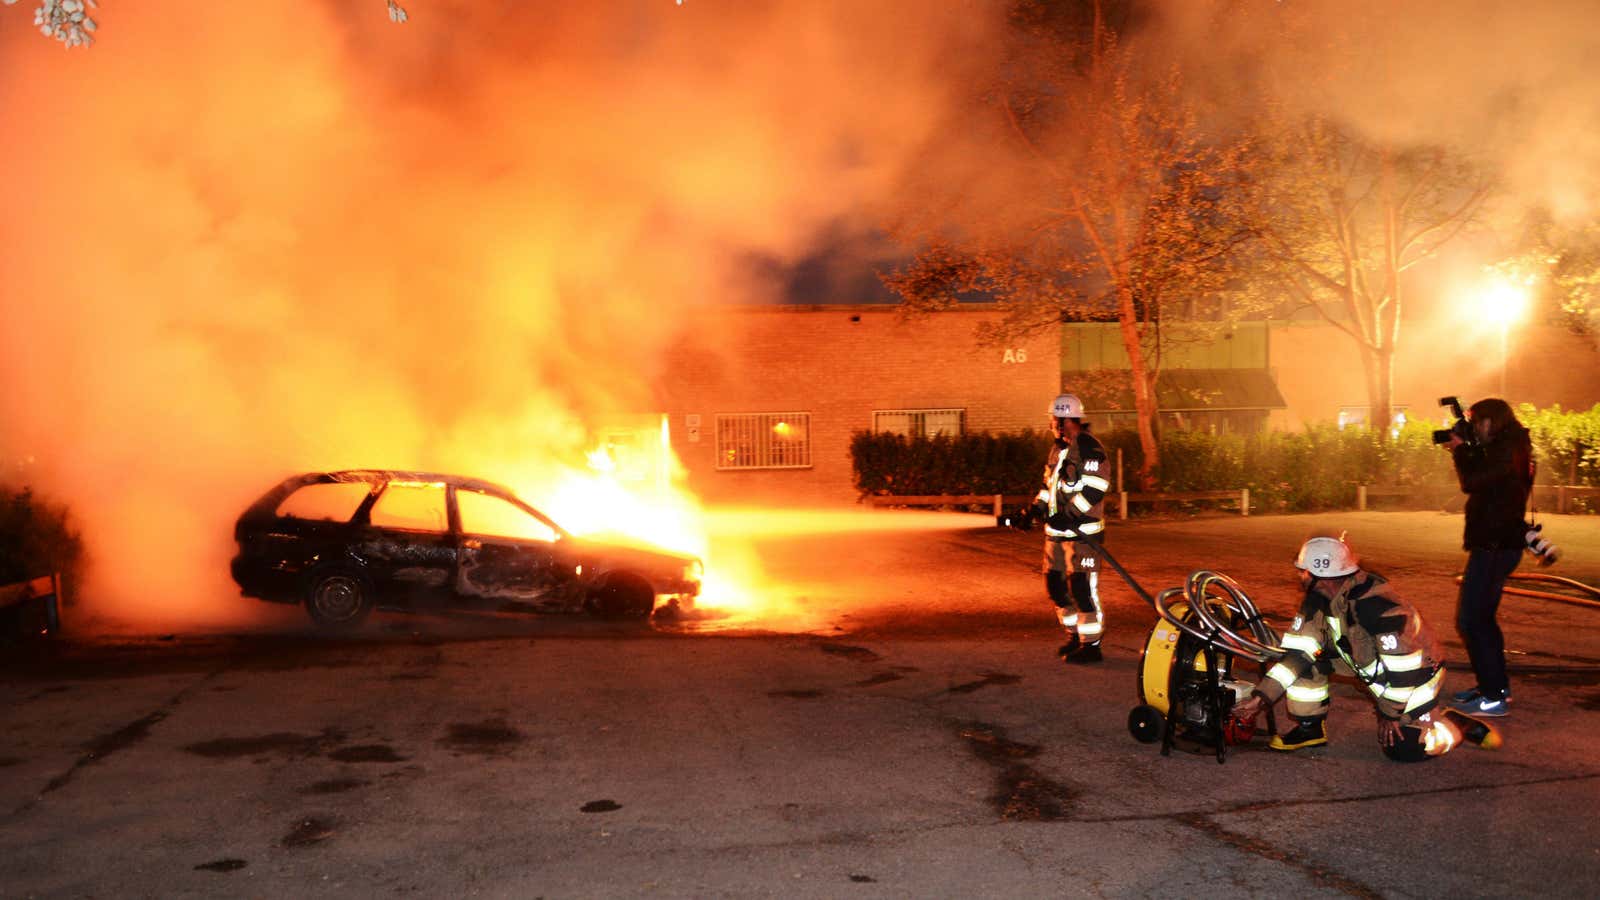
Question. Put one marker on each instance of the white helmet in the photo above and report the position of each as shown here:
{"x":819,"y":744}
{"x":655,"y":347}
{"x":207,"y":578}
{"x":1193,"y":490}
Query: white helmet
{"x":1326,"y":557}
{"x":1067,"y":406}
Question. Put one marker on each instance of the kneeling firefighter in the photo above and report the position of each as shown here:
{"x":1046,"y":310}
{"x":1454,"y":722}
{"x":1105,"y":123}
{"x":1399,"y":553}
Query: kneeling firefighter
{"x":1351,"y":622}
{"x":1072,"y":504}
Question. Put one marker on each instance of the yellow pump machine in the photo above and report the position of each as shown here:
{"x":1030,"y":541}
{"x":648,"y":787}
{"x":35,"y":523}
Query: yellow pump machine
{"x":1190,"y":673}
{"x":1191,"y":670}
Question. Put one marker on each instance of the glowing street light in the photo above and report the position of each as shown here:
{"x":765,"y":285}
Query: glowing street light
{"x":1503,"y":302}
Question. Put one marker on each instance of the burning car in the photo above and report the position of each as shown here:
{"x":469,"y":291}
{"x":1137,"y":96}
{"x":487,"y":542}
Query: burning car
{"x":343,"y":543}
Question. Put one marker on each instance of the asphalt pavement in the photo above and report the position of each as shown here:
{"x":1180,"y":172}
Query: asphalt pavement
{"x":917,"y":737}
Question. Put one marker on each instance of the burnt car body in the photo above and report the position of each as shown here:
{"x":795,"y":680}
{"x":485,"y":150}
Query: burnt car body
{"x":343,"y":543}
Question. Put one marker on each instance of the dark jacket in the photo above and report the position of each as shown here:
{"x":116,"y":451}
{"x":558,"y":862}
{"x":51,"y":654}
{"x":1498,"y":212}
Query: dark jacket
{"x":1379,"y":635}
{"x":1075,"y":486}
{"x":1496,"y":477}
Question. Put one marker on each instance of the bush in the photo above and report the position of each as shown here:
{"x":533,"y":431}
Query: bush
{"x":1317,"y":468}
{"x":37,"y":538}
{"x":968,"y":464}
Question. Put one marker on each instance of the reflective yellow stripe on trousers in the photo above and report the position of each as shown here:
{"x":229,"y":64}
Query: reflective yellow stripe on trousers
{"x":1305,"y":643}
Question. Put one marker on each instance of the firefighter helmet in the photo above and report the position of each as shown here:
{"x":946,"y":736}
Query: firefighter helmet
{"x":1326,"y":557}
{"x":1067,"y":406}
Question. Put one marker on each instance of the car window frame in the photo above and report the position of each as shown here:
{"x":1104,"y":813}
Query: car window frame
{"x":455,"y":516}
{"x":362,"y":508}
{"x":363,"y":516}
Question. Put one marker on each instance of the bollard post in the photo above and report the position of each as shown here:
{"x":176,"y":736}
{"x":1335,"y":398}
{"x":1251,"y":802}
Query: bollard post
{"x":999,"y":506}
{"x":1361,"y":497}
{"x":1244,"y":501}
{"x":1122,"y":495}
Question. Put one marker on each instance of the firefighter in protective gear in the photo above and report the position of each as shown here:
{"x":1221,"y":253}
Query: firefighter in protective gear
{"x":1352,"y":622}
{"x":1071,"y":503}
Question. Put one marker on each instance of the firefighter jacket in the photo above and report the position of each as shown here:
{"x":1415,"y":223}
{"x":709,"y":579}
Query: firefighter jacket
{"x":1378,"y":635}
{"x":1496,"y":477}
{"x":1075,"y":488}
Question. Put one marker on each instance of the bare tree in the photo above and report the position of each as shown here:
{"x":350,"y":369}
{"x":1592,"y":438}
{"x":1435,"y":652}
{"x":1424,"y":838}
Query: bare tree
{"x":1121,"y":205}
{"x":1342,"y":220}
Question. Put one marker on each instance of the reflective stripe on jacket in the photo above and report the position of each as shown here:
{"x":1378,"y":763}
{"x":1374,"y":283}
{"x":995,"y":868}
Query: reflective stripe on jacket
{"x":1378,"y":635}
{"x":1075,"y":486}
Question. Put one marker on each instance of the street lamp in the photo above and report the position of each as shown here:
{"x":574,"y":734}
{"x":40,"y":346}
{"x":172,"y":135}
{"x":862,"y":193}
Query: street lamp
{"x":1503,"y":302}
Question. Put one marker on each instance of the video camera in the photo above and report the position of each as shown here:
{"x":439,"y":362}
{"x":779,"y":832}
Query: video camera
{"x":1461,"y":428}
{"x":1540,"y":546}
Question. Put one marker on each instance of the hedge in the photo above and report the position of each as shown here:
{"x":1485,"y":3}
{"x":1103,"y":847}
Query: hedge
{"x":1318,"y":467}
{"x":37,"y":538}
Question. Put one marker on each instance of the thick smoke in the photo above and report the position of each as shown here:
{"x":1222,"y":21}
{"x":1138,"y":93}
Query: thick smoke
{"x":1513,"y":84}
{"x":243,"y":240}
{"x":1512,"y":87}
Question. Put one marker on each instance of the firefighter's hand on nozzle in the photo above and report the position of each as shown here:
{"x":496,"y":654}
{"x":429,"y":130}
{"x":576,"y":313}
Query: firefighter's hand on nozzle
{"x":1040,"y":510}
{"x":1249,"y":707}
{"x":1388,"y":732}
{"x":1454,"y":442}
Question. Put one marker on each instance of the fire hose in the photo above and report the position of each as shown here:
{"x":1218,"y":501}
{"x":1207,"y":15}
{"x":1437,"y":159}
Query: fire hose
{"x":1186,"y":681}
{"x":1552,"y":595}
{"x":1261,"y":646}
{"x":1186,"y":684}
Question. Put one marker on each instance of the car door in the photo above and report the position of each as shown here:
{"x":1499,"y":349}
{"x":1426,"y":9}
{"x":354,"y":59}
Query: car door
{"x":512,"y":557}
{"x":408,"y":545}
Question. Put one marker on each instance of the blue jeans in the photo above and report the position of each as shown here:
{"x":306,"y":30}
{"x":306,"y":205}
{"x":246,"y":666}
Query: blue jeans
{"x":1487,"y":571}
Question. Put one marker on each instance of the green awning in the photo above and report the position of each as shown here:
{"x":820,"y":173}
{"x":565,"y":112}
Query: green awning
{"x":1180,"y":390}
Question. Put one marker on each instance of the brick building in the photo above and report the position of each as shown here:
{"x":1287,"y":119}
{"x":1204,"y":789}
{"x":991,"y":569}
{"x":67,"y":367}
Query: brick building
{"x":762,"y":401}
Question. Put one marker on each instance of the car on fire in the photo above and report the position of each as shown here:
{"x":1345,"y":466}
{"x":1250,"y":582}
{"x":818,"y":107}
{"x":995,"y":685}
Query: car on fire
{"x":344,"y":543}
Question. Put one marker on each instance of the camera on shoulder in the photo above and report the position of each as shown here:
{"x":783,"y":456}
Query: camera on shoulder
{"x":1460,"y":428}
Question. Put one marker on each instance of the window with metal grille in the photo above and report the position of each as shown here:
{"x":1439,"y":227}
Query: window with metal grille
{"x":920,"y":422}
{"x":764,"y":441}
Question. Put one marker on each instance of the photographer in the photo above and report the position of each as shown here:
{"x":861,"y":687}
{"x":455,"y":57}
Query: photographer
{"x":1494,"y":463}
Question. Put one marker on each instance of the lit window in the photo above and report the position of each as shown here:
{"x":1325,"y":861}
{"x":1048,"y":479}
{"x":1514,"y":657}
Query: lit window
{"x":920,"y":422}
{"x":764,"y":441}
{"x":1360,"y":415}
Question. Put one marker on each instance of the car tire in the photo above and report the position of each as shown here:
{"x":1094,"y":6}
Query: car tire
{"x":338,"y":599}
{"x":624,"y":597}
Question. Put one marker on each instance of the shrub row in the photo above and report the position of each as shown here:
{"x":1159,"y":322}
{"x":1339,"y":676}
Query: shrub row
{"x":1316,"y":468}
{"x":37,"y":538}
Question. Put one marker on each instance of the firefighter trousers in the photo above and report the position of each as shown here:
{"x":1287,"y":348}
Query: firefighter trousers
{"x":1426,"y":735}
{"x":1072,"y":577}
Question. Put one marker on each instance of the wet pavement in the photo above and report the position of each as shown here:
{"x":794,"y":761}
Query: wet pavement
{"x":919,"y":739}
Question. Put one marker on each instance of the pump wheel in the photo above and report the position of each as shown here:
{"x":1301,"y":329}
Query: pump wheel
{"x":1146,"y":724}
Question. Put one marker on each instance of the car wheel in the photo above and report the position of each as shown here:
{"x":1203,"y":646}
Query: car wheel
{"x":624,"y":597}
{"x":339,"y":600}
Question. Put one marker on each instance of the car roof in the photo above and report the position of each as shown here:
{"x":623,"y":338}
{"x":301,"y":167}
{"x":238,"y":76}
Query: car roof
{"x":268,"y":502}
{"x":377,"y":475}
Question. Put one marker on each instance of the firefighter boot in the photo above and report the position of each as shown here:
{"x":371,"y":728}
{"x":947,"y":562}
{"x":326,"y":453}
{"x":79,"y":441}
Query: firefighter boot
{"x":1070,"y":647}
{"x":1088,"y":653}
{"x":1306,"y":733}
{"x":1475,"y":731}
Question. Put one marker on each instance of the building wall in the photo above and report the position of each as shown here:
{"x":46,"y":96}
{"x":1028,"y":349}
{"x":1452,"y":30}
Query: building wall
{"x":840,"y":363}
{"x":1318,"y":369}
